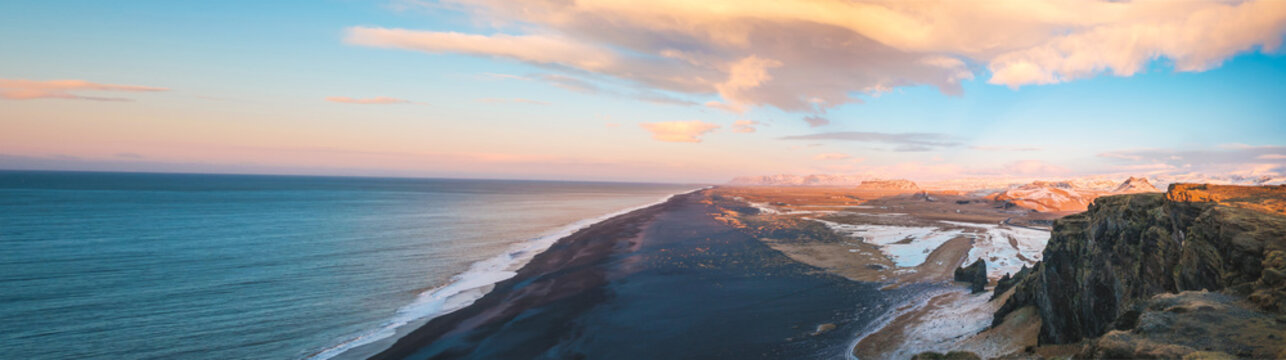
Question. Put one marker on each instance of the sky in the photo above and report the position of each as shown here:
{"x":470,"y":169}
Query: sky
{"x":674,"y":91}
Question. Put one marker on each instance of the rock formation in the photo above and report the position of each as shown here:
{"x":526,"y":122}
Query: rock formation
{"x":975,"y":274}
{"x":1103,"y":269}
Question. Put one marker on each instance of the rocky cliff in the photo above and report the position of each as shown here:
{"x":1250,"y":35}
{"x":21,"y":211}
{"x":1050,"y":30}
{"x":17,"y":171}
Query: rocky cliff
{"x":1101,"y":268}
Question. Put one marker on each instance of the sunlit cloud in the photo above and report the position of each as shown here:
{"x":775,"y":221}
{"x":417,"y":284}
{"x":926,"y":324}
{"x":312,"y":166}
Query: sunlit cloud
{"x":1237,"y":159}
{"x":17,"y":89}
{"x":542,"y":49}
{"x":904,"y":142}
{"x":679,"y":131}
{"x":815,"y":121}
{"x":512,"y":101}
{"x":808,"y":56}
{"x":1006,"y":148}
{"x":380,"y":100}
{"x":744,"y":126}
{"x":832,"y":156}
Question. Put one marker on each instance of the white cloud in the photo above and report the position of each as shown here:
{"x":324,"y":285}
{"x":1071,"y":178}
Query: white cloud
{"x":807,"y":56}
{"x":744,"y":126}
{"x":832,"y":156}
{"x":379,"y":100}
{"x":679,"y":131}
{"x":18,"y":89}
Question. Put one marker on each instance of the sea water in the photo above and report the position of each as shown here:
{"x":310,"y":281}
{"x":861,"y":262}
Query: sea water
{"x":183,"y":266}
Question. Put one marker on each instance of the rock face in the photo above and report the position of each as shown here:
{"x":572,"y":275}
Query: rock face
{"x":1102,"y":266}
{"x":888,"y":185}
{"x":1193,"y":324}
{"x":954,"y":355}
{"x":975,"y":274}
{"x":1005,"y":283}
{"x":1264,"y":198}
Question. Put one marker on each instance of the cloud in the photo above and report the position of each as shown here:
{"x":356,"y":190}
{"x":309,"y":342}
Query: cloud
{"x":512,"y":100}
{"x":1229,"y":159}
{"x":1006,"y":148}
{"x":832,"y":156}
{"x":744,"y":126}
{"x":584,"y":86}
{"x":1194,"y":36}
{"x":744,"y":76}
{"x":541,"y":49}
{"x":906,"y":142}
{"x":679,"y":131}
{"x":17,"y":89}
{"x":809,"y":56}
{"x":815,"y":121}
{"x":379,"y":100}
{"x":1033,"y":168}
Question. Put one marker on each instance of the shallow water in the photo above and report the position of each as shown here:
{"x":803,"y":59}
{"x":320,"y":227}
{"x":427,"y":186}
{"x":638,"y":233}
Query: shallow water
{"x":151,"y":266}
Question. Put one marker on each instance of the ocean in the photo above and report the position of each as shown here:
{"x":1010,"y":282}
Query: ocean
{"x":186,"y":266}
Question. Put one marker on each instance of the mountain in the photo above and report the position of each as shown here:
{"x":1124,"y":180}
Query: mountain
{"x":1071,"y":195}
{"x":1200,"y":268}
{"x":1135,"y":185}
{"x":797,"y":180}
{"x":888,"y":185}
{"x":1046,"y":196}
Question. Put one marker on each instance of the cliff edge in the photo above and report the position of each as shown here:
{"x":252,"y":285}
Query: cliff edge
{"x":1131,"y":258}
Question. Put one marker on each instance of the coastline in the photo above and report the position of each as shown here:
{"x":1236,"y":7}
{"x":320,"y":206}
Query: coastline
{"x":666,"y":274}
{"x":465,"y":288}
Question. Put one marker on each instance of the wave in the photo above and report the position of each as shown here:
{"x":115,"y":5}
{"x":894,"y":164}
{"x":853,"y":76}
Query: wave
{"x":472,"y":284}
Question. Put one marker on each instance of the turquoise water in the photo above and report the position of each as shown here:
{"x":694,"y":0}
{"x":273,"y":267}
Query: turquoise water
{"x":165,"y":266}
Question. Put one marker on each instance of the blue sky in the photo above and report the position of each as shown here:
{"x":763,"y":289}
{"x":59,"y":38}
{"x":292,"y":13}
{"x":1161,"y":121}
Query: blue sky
{"x":245,"y":83}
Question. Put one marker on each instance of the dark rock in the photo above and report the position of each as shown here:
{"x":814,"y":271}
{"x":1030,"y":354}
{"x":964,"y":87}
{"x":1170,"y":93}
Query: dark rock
{"x":1006,"y":282}
{"x":1104,"y":263}
{"x":975,"y":274}
{"x":954,"y":355}
{"x":1193,"y":325}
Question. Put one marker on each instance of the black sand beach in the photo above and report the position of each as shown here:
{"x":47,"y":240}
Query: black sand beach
{"x":665,"y":282}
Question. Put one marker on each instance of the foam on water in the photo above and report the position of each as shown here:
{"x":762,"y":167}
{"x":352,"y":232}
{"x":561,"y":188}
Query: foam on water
{"x":469,"y":286}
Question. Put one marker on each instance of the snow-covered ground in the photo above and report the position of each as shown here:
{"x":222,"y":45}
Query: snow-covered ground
{"x":946,"y":321}
{"x":1002,"y":246}
{"x":907,"y":246}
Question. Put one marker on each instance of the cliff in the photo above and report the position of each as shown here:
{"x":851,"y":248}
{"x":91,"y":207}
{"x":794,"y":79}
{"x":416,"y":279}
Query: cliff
{"x":1103,"y":269}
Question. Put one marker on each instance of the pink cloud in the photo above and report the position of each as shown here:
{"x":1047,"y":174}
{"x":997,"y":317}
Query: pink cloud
{"x":744,"y":126}
{"x":512,"y":100}
{"x":543,"y":49}
{"x":679,"y":131}
{"x":379,"y":100}
{"x":16,"y":89}
{"x":832,"y":156}
{"x":806,"y":57}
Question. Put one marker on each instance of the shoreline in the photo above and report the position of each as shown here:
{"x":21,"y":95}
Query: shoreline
{"x":465,"y":288}
{"x":668,"y":274}
{"x":442,"y":323}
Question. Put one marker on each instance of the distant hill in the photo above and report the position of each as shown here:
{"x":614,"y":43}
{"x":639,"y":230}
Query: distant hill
{"x":1060,"y":196}
{"x":888,"y":185}
{"x":798,"y":180}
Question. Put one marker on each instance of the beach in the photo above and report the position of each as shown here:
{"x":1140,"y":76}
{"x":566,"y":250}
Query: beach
{"x":667,"y":281}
